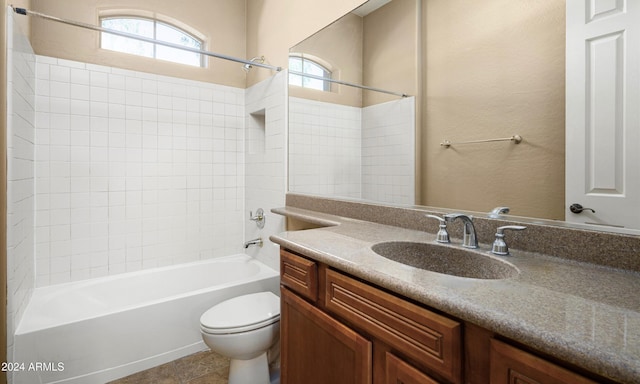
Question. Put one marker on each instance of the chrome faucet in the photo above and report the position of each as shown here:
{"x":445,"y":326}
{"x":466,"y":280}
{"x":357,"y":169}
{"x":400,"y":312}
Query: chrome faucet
{"x":497,"y":211}
{"x":469,"y":239}
{"x":257,"y":242}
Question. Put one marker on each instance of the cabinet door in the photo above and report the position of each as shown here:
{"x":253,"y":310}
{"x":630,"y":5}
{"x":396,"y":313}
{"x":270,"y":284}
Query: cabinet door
{"x":421,"y":335}
{"x":400,"y":372}
{"x":317,"y":349}
{"x":512,"y":365}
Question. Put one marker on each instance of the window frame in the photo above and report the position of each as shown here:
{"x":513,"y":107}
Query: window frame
{"x":327,"y":70}
{"x":155,"y":22}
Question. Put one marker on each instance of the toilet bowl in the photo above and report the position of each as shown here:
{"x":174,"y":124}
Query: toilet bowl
{"x":243,"y":329}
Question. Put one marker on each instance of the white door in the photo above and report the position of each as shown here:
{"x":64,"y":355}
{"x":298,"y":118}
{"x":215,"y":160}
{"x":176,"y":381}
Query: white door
{"x":603,"y":112}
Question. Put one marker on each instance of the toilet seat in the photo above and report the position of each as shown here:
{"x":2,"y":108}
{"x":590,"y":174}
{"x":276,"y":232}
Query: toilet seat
{"x":242,"y":314}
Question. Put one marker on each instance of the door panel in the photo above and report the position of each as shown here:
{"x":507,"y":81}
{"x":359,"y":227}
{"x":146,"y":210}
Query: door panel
{"x":603,"y":112}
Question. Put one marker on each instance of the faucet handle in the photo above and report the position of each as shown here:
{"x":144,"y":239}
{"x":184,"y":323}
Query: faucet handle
{"x":499,"y":245}
{"x":442,"y":236}
{"x":259,"y":218}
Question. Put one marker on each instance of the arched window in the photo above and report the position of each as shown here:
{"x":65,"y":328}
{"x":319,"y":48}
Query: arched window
{"x":302,"y":64}
{"x":153,"y":29}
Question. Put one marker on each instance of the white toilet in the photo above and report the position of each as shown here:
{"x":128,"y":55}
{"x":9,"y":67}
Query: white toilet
{"x":243,"y":329}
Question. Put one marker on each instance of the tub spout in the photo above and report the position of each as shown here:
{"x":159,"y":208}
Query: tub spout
{"x":257,"y":242}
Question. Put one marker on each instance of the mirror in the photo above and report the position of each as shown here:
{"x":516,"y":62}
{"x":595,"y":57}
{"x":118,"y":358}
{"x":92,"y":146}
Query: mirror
{"x":486,"y":70}
{"x":354,"y":136}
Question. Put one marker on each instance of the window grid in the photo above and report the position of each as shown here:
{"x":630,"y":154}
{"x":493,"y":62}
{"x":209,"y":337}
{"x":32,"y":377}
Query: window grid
{"x":170,"y":54}
{"x":305,"y":65}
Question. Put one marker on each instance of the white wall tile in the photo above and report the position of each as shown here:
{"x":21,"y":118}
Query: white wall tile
{"x":21,"y":172}
{"x":79,"y":76}
{"x":127,"y":171}
{"x":265,"y":170}
{"x":353,"y":152}
{"x":116,"y":81}
{"x":80,"y":92}
{"x":324,"y":159}
{"x":59,"y":73}
{"x":388,"y":152}
{"x":97,"y":78}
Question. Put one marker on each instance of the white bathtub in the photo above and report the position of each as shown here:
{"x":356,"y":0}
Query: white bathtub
{"x":107,"y":328}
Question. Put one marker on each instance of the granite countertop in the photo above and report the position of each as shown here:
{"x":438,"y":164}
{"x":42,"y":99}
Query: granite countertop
{"x":585,"y":314}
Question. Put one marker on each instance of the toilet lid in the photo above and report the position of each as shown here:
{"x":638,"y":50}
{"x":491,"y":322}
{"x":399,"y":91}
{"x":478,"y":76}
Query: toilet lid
{"x":242,"y":313}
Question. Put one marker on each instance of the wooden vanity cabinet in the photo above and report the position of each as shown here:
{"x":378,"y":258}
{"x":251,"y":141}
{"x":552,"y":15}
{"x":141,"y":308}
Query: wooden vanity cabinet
{"x":351,"y":332}
{"x":337,"y":329}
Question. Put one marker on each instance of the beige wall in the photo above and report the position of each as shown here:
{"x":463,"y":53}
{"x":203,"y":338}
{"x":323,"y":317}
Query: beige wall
{"x":377,"y":50}
{"x":494,"y":68}
{"x":222,"y":22}
{"x":273,"y":26}
{"x":390,"y":53}
{"x":339,"y":45}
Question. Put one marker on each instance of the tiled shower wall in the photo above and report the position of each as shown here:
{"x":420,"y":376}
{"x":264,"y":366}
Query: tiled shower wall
{"x":133,"y":170}
{"x":353,"y":152}
{"x":388,"y":152}
{"x":265,"y":162}
{"x":324,"y":148}
{"x":21,"y":83}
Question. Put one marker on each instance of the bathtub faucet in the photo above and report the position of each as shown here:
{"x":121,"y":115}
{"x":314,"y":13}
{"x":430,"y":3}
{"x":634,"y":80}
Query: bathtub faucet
{"x":257,"y":242}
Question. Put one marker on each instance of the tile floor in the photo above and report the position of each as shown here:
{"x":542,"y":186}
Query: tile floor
{"x":200,"y":368}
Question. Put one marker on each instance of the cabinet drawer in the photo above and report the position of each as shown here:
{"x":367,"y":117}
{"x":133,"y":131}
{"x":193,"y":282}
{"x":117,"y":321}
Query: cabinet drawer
{"x":399,"y":372}
{"x":513,"y":365}
{"x":418,"y":333}
{"x":299,"y":274}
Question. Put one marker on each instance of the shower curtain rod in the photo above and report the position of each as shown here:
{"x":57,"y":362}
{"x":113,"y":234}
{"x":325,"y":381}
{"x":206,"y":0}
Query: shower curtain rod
{"x":26,"y":12}
{"x":347,"y":83}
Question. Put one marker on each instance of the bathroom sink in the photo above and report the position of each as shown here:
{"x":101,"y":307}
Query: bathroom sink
{"x":446,"y":259}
